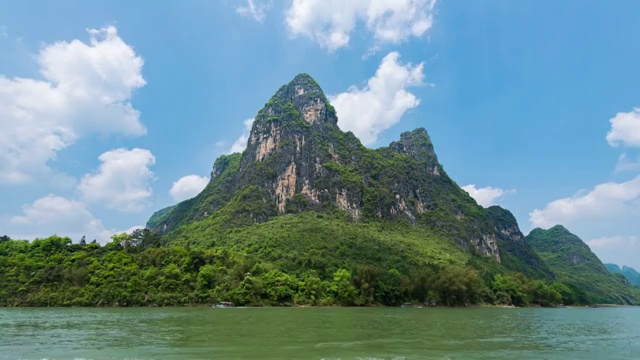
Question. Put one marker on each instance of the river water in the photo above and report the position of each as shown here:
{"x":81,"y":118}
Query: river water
{"x":319,"y":333}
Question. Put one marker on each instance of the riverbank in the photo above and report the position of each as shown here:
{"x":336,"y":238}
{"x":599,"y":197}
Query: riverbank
{"x":334,"y":306}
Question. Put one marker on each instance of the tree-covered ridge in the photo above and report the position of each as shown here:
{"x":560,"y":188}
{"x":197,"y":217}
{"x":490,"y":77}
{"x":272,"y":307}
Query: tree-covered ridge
{"x":573,"y":263}
{"x":139,"y":270}
{"x":629,"y":273}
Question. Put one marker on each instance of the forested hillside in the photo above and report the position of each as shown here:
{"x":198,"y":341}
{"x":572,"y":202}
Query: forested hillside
{"x":138,"y":270}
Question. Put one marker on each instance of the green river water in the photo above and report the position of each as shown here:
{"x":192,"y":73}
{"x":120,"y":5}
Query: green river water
{"x":319,"y":333}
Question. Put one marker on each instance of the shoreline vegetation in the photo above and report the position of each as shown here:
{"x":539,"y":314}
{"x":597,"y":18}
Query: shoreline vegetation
{"x":293,"y":306}
{"x":137,"y":270}
{"x":335,"y":306}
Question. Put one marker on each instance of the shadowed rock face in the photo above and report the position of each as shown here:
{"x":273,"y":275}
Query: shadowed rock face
{"x":297,"y":159}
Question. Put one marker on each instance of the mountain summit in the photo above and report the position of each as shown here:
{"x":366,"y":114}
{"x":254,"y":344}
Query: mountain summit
{"x":298,"y":161}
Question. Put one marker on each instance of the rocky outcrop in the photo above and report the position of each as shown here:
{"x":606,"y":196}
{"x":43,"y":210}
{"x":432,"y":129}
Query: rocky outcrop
{"x":417,"y":145}
{"x":515,"y":254}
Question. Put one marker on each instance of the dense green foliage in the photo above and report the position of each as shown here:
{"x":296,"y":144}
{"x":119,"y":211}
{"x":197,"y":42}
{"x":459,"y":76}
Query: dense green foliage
{"x":138,"y":270}
{"x":323,"y":242}
{"x":629,"y":273}
{"x":573,"y":263}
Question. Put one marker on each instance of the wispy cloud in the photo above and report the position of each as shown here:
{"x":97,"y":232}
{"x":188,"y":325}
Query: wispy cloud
{"x":256,"y":9}
{"x":487,"y":196}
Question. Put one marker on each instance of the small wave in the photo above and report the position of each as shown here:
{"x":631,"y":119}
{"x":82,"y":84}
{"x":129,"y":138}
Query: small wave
{"x":370,"y":358}
{"x":379,"y":358}
{"x":339,"y":344}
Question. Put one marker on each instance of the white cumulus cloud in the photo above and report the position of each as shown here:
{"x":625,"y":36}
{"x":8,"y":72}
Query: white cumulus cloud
{"x":122,"y":180}
{"x":241,"y":143}
{"x":331,"y":22}
{"x":604,"y":201}
{"x":58,"y":215}
{"x":625,"y":129}
{"x":86,"y":88}
{"x":370,"y":110}
{"x":256,"y":9}
{"x":486,"y":196}
{"x":187,"y":187}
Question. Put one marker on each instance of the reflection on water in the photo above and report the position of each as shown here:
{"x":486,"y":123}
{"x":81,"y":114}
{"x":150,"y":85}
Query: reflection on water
{"x":320,"y":333}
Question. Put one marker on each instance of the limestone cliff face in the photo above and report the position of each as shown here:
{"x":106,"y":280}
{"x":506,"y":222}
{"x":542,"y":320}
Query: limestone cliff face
{"x":297,"y":159}
{"x":516,"y":253}
{"x":292,"y":139}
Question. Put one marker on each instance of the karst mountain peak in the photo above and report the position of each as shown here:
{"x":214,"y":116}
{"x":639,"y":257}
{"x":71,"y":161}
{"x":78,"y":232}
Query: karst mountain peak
{"x":297,"y":160}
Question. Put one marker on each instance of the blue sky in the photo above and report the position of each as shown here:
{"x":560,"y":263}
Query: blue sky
{"x":114,"y":109}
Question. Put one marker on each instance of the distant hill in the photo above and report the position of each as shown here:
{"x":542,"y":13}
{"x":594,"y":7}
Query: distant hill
{"x":573,"y":262}
{"x":628,"y":272}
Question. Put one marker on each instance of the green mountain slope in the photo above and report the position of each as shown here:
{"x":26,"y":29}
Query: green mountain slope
{"x":299,"y":164}
{"x":628,"y":272}
{"x":573,"y":263}
{"x":325,"y":242}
